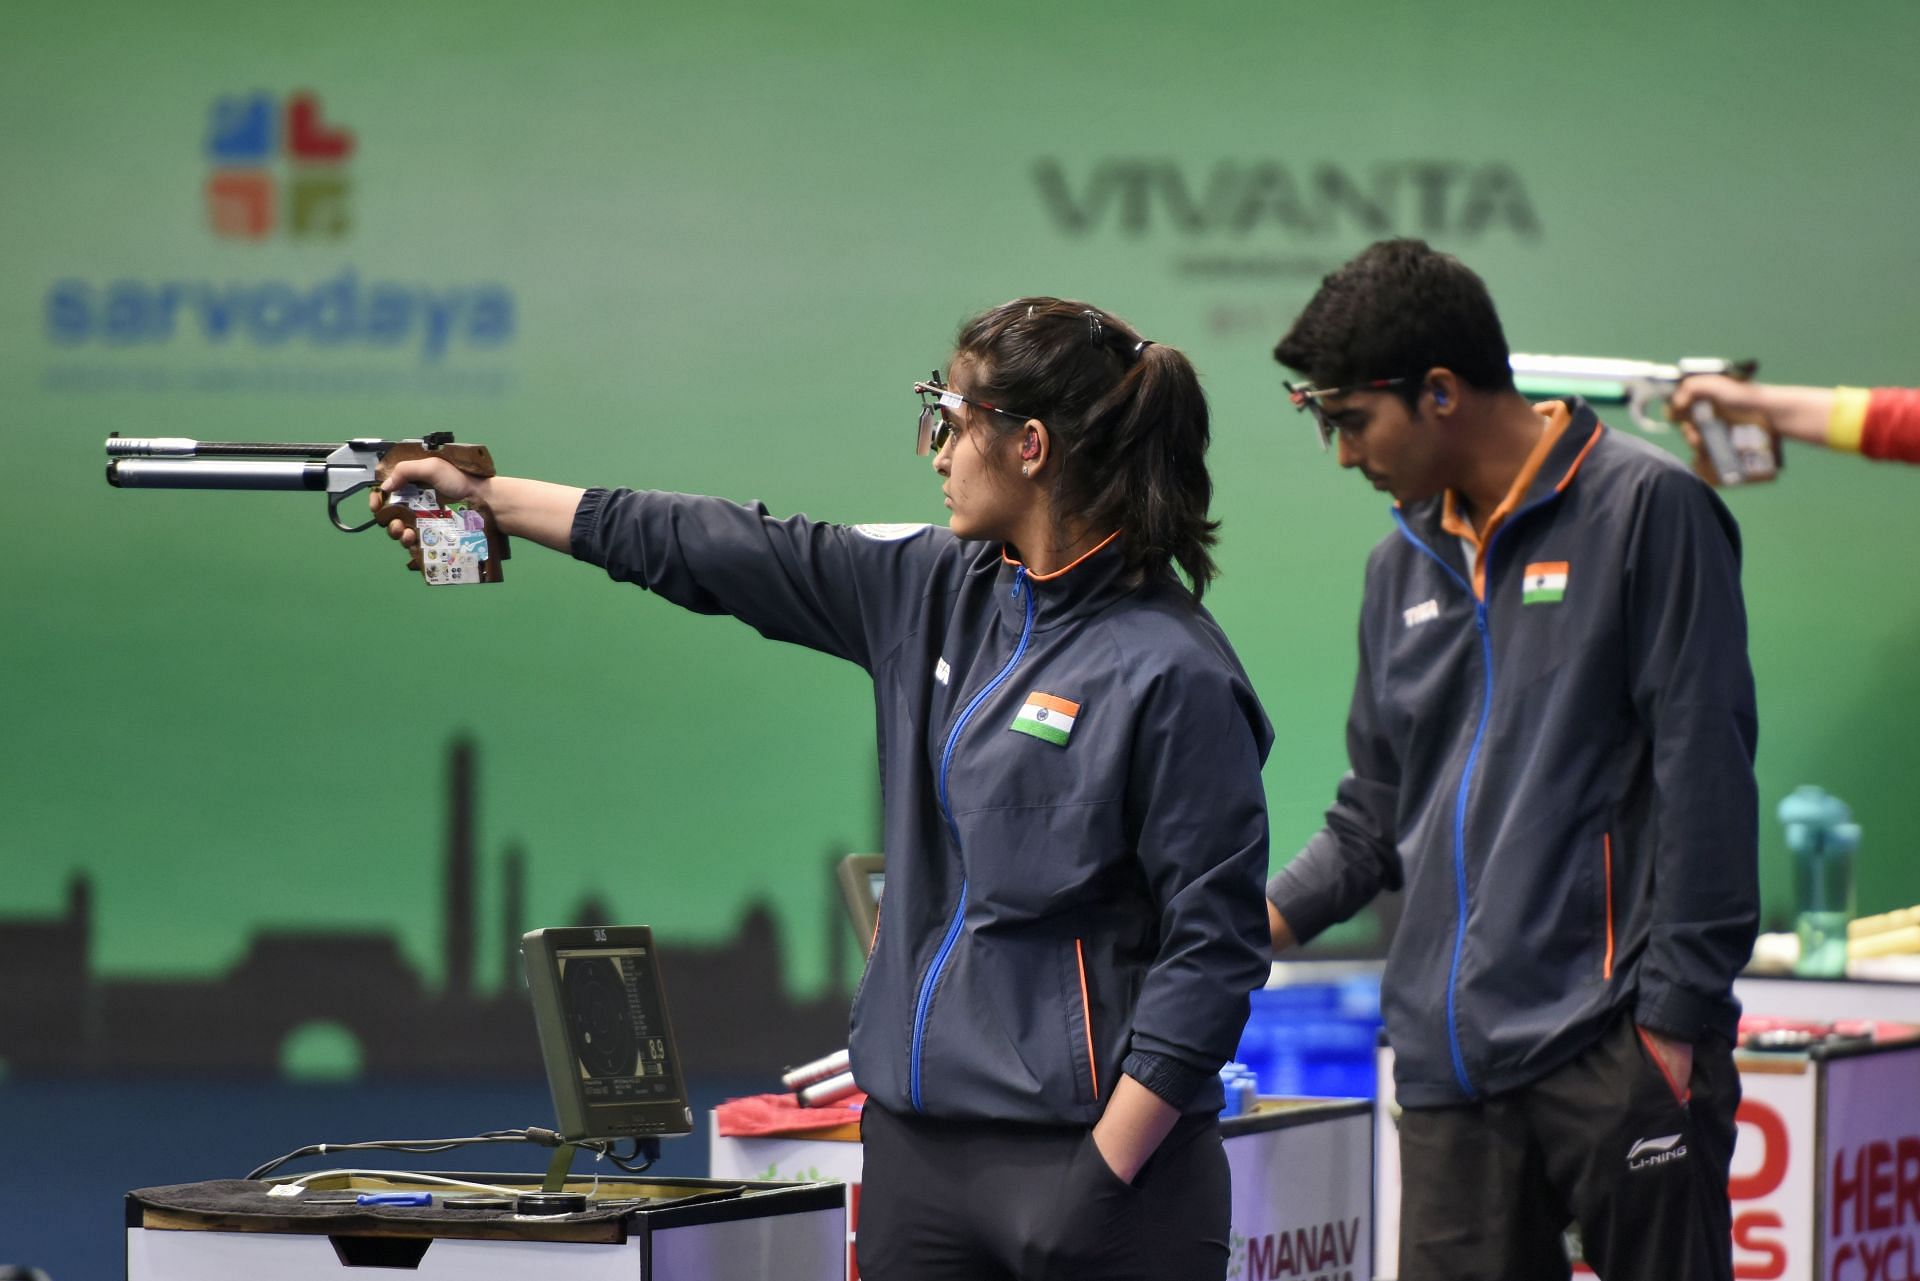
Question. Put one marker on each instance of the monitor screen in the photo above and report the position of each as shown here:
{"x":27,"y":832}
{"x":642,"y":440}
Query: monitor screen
{"x":601,"y":1012}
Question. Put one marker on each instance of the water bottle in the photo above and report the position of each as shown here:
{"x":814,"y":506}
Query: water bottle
{"x":1242,"y":1089}
{"x":1823,"y":836}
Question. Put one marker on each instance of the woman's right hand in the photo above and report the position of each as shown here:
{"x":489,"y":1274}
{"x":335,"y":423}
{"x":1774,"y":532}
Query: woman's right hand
{"x":437,"y":474}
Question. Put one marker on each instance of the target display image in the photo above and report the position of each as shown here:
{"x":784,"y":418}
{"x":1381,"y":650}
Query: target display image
{"x":600,"y":1006}
{"x":613,"y":1017}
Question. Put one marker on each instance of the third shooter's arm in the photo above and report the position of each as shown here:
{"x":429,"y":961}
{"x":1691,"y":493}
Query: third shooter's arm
{"x":1798,"y":413}
{"x":1882,"y":424}
{"x":532,"y":509}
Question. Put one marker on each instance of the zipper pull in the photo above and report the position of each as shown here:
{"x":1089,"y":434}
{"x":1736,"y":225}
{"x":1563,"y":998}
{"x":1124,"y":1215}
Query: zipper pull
{"x":1480,"y":616}
{"x":1019,"y":580}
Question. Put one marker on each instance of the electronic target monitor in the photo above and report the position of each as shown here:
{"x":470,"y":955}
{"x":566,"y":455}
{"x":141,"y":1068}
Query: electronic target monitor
{"x":601,"y":1013}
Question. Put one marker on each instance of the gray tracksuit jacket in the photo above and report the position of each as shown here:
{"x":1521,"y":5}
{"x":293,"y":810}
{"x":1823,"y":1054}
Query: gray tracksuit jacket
{"x":1060,"y":906}
{"x":1560,"y":770}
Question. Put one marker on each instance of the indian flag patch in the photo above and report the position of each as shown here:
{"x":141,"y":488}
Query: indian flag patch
{"x":1045,"y":716}
{"x":1545,"y":582}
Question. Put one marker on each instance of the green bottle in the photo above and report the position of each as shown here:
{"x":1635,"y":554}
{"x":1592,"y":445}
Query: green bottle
{"x":1823,"y":836}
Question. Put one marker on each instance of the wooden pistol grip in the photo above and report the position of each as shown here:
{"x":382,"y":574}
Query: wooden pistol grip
{"x":474,"y":460}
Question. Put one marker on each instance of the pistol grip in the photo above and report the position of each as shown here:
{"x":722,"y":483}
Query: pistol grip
{"x":498,"y":548}
{"x":474,"y":460}
{"x":404,"y":514}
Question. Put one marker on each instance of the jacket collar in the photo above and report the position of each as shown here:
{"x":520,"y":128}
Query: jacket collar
{"x":1551,"y":477}
{"x":1088,"y":584}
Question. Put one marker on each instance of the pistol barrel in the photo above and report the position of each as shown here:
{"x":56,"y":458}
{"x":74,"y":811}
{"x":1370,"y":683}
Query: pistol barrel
{"x":183,"y":447}
{"x":214,"y":473}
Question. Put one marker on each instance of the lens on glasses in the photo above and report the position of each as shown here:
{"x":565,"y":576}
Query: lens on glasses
{"x":929,"y":419}
{"x":1307,"y":400}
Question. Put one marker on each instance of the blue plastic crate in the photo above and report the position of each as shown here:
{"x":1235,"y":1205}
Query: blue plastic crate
{"x":1314,"y":1039}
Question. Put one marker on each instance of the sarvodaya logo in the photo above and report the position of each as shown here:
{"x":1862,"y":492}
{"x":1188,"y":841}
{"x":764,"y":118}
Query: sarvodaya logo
{"x":340,"y":311}
{"x":280,"y":170}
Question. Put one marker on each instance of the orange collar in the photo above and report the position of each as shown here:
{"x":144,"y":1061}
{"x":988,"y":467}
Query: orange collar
{"x":1554,"y":422}
{"x":1075,"y":563}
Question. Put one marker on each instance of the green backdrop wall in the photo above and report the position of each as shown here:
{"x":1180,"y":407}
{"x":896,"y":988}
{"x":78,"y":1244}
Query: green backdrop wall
{"x":708,"y":247}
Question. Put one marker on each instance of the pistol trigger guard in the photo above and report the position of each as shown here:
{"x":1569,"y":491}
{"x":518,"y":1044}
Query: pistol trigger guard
{"x":1637,"y":403}
{"x":333,"y":510}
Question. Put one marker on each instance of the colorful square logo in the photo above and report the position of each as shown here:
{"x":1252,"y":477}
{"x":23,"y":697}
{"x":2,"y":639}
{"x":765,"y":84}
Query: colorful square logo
{"x":278,"y":166}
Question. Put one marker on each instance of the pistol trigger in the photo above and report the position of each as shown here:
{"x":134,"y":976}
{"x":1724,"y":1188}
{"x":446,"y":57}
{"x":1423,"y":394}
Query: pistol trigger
{"x":333,"y":511}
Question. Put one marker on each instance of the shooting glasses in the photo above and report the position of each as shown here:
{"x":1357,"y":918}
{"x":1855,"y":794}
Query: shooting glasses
{"x":1307,"y":399}
{"x":937,"y":400}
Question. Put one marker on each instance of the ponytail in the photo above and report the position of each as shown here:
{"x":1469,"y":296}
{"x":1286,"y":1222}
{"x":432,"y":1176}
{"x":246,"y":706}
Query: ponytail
{"x":1128,"y":420}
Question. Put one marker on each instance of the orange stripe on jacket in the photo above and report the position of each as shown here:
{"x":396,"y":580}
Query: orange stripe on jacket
{"x":1086,"y":1018}
{"x":1052,"y":704}
{"x":1606,"y":967}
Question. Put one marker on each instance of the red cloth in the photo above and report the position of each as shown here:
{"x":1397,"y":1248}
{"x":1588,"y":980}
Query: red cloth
{"x":763,"y":1115}
{"x":1892,"y":430}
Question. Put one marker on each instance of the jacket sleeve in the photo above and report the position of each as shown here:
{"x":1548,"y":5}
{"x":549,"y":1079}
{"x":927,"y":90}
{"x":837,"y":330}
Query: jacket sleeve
{"x":1693,"y":689}
{"x":1356,"y":855}
{"x":1200,"y":810}
{"x":1892,"y":428}
{"x":832,"y":588}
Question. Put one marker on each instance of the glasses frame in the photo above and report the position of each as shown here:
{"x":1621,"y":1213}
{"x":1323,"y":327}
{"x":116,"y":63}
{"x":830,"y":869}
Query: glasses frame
{"x":1307,"y":398}
{"x":934,"y":431}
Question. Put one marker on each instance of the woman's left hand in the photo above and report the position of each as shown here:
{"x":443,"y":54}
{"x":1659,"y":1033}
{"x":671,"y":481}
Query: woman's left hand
{"x":1135,"y":1122}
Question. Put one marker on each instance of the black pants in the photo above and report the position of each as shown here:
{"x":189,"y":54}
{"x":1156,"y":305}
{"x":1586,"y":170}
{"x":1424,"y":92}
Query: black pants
{"x":989,"y":1202}
{"x":1604,"y":1142}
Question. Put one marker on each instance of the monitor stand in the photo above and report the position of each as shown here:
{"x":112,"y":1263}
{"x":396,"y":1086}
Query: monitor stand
{"x":556,"y":1180}
{"x":562,"y":1162}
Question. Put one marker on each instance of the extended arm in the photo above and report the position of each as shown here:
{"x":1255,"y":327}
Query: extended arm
{"x":530,"y":509}
{"x":829,"y":587}
{"x":1883,"y":423}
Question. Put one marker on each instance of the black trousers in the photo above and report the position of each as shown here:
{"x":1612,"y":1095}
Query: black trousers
{"x":986,"y":1202}
{"x":1606,"y":1143}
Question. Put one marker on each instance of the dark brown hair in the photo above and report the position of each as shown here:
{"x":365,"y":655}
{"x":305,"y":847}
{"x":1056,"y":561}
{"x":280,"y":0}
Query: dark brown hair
{"x":1127,"y":419}
{"x":1397,"y":310}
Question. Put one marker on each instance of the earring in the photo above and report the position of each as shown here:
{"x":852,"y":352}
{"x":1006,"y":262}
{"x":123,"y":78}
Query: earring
{"x":1026,"y":469}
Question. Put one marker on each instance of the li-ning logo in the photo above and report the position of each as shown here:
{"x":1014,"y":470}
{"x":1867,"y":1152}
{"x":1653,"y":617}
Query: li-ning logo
{"x":246,"y":134}
{"x":942,"y":672}
{"x":1425,"y":612}
{"x":1648,"y":1153}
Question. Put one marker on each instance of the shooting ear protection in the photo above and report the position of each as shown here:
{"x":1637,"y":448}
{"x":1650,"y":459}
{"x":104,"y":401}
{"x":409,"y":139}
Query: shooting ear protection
{"x":1030,"y":447}
{"x":1440,"y":396}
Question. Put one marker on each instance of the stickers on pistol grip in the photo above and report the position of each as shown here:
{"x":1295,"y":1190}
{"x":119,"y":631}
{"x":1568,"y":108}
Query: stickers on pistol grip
{"x":453,"y":537}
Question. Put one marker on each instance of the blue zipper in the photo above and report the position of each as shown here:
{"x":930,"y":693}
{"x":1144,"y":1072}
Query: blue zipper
{"x":960,"y":908}
{"x":1466,"y":777}
{"x":1460,"y":807}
